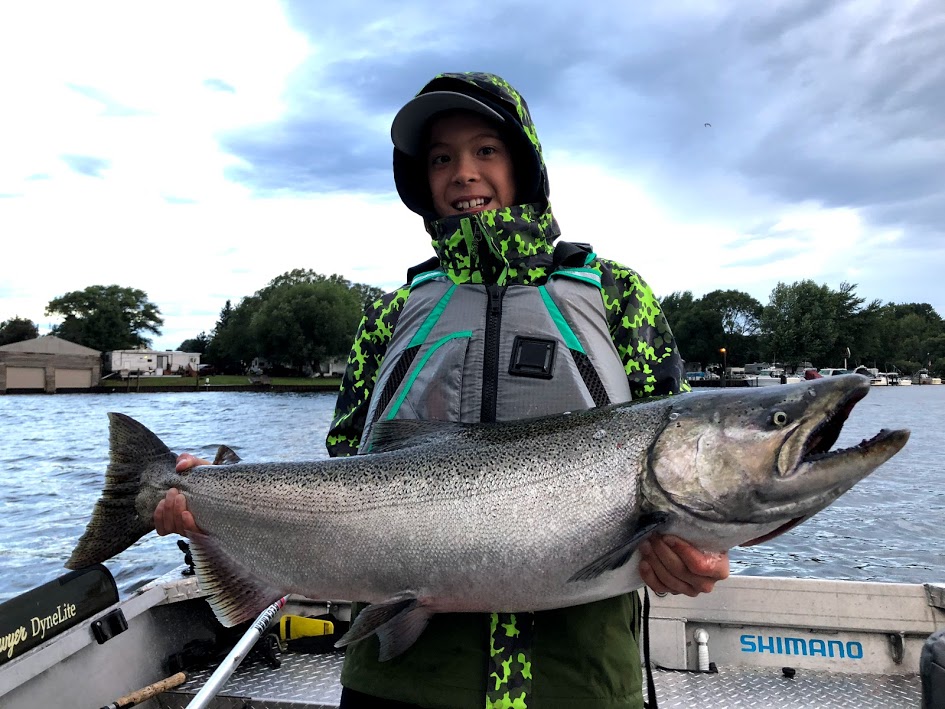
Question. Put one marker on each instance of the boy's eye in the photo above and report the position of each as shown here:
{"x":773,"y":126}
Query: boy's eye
{"x":439,"y":159}
{"x":487,"y":150}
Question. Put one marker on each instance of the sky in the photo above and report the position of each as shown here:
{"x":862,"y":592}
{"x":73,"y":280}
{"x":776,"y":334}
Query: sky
{"x":196,"y":151}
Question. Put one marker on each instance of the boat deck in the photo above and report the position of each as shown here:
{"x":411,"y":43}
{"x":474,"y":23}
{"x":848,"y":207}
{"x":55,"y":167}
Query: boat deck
{"x":308,"y":681}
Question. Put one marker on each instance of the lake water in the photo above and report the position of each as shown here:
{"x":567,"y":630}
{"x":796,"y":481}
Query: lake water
{"x":54,"y":450}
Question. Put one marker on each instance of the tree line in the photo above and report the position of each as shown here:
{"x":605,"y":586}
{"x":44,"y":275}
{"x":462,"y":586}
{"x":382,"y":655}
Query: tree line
{"x":301,"y":319}
{"x":298,"y":321}
{"x":806,"y":323}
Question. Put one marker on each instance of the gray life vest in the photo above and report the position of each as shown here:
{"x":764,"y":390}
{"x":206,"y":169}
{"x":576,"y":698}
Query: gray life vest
{"x":932,"y":671}
{"x":490,"y":353}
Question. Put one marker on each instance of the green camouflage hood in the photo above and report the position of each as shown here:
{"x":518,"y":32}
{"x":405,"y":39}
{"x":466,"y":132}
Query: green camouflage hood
{"x":495,"y":246}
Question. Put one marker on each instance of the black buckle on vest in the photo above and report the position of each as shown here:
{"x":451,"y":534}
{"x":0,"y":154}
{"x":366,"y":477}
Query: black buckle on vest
{"x":532,"y":357}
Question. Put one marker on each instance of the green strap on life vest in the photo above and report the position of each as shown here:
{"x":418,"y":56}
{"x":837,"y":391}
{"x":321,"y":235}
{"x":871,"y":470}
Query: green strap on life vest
{"x":510,"y":661}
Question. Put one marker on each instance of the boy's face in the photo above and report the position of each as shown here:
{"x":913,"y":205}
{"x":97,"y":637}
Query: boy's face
{"x":469,"y":166}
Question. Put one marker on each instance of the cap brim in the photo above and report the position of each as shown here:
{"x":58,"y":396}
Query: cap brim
{"x":407,"y":129}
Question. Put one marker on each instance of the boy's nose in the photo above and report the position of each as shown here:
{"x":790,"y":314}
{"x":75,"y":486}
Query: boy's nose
{"x":465,"y":170}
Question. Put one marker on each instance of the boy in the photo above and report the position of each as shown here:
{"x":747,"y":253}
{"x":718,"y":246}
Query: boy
{"x":501,"y":324}
{"x":549,"y":330}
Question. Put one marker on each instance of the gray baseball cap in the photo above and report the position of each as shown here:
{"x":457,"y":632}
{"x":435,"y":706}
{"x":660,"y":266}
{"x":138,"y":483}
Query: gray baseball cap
{"x":407,"y":129}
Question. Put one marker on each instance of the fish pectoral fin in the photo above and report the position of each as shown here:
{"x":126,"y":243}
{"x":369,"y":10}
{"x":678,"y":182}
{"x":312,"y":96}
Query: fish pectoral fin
{"x":397,"y":621}
{"x":226,"y":456}
{"x":614,"y":559}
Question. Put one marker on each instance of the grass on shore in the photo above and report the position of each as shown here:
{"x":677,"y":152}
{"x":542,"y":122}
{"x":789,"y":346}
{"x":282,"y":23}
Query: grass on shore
{"x":219,"y":380}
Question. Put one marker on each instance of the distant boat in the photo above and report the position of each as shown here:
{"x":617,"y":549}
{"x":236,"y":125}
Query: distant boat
{"x":923,"y":377}
{"x":832,"y":371}
{"x":877,"y":378}
{"x":770,"y":376}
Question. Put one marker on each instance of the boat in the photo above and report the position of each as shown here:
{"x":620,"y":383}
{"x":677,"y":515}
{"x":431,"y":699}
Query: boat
{"x":770,"y":376}
{"x":877,"y":378}
{"x":832,"y":371}
{"x":754,"y":641}
{"x":924,"y":377}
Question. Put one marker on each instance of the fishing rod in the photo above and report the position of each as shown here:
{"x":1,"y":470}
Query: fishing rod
{"x":222,"y":673}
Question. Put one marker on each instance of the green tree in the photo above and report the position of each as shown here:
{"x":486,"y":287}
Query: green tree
{"x":106,"y":317}
{"x":697,"y":328}
{"x":740,"y":316}
{"x":799,"y":323}
{"x":297,"y":320}
{"x":367,"y":295}
{"x":232,"y":348}
{"x":304,"y":323}
{"x":196,"y":344}
{"x":17,"y":329}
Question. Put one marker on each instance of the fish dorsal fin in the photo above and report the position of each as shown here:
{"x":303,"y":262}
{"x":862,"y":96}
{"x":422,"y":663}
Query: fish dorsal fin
{"x":397,"y":434}
{"x":397,"y":621}
{"x":647,"y":524}
{"x":226,"y":456}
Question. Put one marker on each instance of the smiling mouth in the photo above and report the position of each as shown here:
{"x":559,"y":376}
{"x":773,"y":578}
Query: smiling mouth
{"x":464,"y":205}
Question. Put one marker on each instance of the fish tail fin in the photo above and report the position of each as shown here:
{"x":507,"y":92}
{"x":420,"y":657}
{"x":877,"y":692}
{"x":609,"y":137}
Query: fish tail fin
{"x":397,"y":622}
{"x":118,"y":520}
{"x":234,"y":594}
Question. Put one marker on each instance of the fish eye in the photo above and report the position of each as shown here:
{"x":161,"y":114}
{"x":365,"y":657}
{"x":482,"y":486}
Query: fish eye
{"x":779,"y":418}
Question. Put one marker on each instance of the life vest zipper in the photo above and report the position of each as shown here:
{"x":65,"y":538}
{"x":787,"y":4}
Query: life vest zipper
{"x":490,"y":359}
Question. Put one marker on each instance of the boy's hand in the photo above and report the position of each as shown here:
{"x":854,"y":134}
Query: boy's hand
{"x":670,"y":564}
{"x":171,"y":515}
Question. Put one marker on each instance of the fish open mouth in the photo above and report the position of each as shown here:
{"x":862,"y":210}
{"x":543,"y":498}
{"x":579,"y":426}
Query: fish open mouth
{"x":813,"y":457}
{"x":816,"y":443}
{"x":825,"y":434}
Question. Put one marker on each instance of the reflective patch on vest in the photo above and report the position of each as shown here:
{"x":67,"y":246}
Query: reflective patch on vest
{"x":532,"y":357}
{"x":510,"y":661}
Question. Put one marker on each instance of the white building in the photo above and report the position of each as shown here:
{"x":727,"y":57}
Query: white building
{"x":152,"y":362}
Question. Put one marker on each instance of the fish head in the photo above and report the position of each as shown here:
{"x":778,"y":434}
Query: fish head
{"x":748,"y":464}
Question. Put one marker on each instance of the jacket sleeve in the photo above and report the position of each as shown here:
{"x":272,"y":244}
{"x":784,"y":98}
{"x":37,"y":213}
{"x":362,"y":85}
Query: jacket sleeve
{"x":364,"y":362}
{"x":641,"y":333}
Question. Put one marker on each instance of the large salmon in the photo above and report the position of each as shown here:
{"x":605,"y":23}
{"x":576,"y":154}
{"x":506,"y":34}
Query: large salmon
{"x":515,"y":516}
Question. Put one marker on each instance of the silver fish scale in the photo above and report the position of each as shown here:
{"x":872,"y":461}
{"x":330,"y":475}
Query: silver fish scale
{"x":481,"y":459}
{"x":312,"y":682}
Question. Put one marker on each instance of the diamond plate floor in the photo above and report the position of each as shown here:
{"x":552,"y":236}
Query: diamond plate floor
{"x":311,"y":682}
{"x":753,"y":687}
{"x":303,"y":681}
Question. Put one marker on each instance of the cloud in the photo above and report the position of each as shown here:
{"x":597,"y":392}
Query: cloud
{"x":86,"y":164}
{"x":110,"y":107}
{"x":219,"y":85}
{"x":255,"y":139}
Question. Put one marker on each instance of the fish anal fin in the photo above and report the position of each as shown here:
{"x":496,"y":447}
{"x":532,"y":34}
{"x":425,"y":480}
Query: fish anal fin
{"x":226,"y":456}
{"x":397,"y":622}
{"x":235,"y":594}
{"x":614,"y":559}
